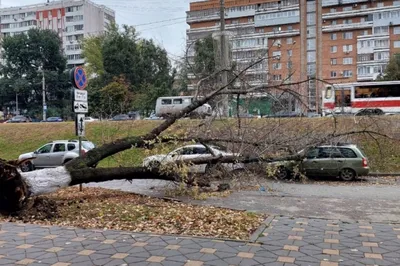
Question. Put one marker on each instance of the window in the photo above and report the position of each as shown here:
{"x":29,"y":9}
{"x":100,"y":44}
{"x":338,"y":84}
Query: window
{"x":396,"y":30}
{"x":289,"y":40}
{"x":347,"y":8}
{"x":59,"y":147}
{"x":311,"y":31}
{"x":381,"y":30}
{"x":177,"y":101}
{"x":347,"y":73}
{"x":347,"y":61}
{"x":333,"y":10}
{"x":333,"y":36}
{"x":289,"y":65}
{"x":290,"y":53}
{"x":333,"y":49}
{"x":78,"y":27}
{"x":260,"y":30}
{"x":277,"y":42}
{"x":311,"y":57}
{"x":347,"y":48}
{"x":276,"y":66}
{"x":328,"y":93}
{"x":333,"y":74}
{"x":276,"y":53}
{"x":277,"y":77}
{"x":250,"y":19}
{"x":348,"y":21}
{"x":347,"y":153}
{"x":45,"y":149}
{"x":363,"y":7}
{"x":333,"y":61}
{"x":396,"y":3}
{"x":311,"y":43}
{"x":396,"y":44}
{"x":234,"y":21}
{"x":333,"y":22}
{"x":289,"y":28}
{"x":381,"y":4}
{"x":71,"y":146}
{"x":311,"y":19}
{"x":166,"y":101}
{"x":347,"y":35}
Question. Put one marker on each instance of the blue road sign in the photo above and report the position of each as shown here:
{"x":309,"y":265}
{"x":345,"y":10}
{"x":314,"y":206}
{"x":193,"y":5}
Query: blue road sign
{"x":80,"y":79}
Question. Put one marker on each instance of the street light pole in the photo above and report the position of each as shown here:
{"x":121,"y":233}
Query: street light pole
{"x":44,"y":95}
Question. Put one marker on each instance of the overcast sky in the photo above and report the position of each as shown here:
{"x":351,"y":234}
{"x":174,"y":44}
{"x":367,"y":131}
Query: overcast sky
{"x":169,"y":34}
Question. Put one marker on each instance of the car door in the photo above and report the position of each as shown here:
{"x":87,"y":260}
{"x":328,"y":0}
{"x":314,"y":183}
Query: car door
{"x":57,"y":154}
{"x":327,"y":164}
{"x":200,"y":152}
{"x":43,"y":156}
{"x":310,"y":164}
{"x":187,"y":153}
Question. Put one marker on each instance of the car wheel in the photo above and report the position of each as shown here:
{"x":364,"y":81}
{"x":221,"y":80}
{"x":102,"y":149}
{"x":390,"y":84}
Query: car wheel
{"x":347,"y":174}
{"x":27,"y":167}
{"x":282,"y":173}
{"x":66,"y":161}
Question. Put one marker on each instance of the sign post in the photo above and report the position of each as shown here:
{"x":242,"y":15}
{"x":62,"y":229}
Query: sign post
{"x":79,"y":104}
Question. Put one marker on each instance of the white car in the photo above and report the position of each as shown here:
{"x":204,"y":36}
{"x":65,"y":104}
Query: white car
{"x":90,"y":119}
{"x":191,"y":152}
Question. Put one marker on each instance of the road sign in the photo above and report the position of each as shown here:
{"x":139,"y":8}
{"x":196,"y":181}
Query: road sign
{"x":79,"y":79}
{"x":80,"y":95}
{"x":80,"y":125}
{"x":81,"y":107}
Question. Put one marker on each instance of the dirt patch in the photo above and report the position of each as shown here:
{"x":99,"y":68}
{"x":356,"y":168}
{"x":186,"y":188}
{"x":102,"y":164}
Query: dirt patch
{"x":110,"y":209}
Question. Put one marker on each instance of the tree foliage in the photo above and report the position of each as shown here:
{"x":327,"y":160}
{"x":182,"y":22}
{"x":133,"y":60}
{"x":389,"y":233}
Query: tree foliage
{"x":392,"y":71}
{"x":24,"y":56}
{"x":204,"y":59}
{"x":143,"y":65}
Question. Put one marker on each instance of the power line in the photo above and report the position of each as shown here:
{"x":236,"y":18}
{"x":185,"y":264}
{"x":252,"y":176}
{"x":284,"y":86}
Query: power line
{"x":159,"y":21}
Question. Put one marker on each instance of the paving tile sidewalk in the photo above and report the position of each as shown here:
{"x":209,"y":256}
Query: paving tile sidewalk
{"x":285,"y":242}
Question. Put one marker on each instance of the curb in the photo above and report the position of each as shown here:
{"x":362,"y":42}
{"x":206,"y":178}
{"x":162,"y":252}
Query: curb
{"x":383,"y":174}
{"x":261,"y":228}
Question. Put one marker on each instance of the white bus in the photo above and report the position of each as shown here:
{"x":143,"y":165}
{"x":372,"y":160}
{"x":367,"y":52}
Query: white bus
{"x":167,"y":106}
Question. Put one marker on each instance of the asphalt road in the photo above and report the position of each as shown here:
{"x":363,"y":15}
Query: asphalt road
{"x":374,"y":203}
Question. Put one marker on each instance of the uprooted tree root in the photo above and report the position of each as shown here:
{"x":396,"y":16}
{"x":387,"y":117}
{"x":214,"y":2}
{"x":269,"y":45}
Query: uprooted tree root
{"x":36,"y":209}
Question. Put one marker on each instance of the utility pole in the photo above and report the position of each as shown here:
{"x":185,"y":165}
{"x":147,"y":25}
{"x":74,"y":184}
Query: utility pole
{"x":224,"y":59}
{"x":16,"y":103}
{"x":44,"y":95}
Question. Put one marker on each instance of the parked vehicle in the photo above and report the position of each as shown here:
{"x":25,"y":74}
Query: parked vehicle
{"x":167,"y":106}
{"x":346,"y":161}
{"x":19,"y":119}
{"x":55,"y":153}
{"x":53,"y":119}
{"x":191,"y":152}
{"x":382,"y":97}
{"x":90,"y":119}
{"x":134,"y":115}
{"x":121,"y":117}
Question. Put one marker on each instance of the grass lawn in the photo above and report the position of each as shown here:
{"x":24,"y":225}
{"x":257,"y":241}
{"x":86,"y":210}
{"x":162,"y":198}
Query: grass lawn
{"x":383,"y":153}
{"x":108,"y":209}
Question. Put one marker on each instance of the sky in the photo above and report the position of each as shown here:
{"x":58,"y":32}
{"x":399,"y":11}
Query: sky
{"x":164,"y":20}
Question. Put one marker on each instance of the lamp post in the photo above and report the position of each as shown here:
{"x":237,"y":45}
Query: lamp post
{"x":43,"y":88}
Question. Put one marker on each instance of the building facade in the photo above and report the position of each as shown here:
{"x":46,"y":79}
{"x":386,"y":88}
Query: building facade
{"x":72,"y":19}
{"x":337,"y":41}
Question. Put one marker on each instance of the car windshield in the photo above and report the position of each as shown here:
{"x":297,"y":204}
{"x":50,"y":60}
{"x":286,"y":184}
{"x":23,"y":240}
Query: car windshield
{"x":18,"y":117}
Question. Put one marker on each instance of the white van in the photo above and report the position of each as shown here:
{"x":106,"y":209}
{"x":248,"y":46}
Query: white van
{"x":166,"y":106}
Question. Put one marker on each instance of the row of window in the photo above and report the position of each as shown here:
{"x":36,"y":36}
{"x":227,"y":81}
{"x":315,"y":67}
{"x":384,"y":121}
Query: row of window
{"x":387,"y":15}
{"x":74,"y":18}
{"x":346,"y":48}
{"x":345,"y":35}
{"x":345,"y":61}
{"x":367,"y":70}
{"x":350,"y":8}
{"x":373,"y":44}
{"x":345,"y":73}
{"x":248,"y":43}
{"x":74,"y":57}
{"x":73,"y":9}
{"x":19,"y":24}
{"x":76,"y":37}
{"x":74,"y":28}
{"x":277,"y":66}
{"x":283,"y":14}
{"x":73,"y":47}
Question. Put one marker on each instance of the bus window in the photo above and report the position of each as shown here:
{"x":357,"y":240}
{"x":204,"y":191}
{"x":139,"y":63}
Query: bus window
{"x":343,"y":97}
{"x":166,"y":101}
{"x":328,"y":93}
{"x":177,"y":101}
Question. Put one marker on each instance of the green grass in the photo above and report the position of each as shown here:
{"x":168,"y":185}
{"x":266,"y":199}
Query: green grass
{"x":383,"y":153}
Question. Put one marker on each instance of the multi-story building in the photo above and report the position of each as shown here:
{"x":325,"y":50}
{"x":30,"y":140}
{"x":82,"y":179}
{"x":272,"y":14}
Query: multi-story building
{"x":72,"y":19}
{"x":337,"y":41}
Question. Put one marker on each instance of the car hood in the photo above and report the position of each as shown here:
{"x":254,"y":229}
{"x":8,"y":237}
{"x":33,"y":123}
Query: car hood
{"x":27,"y":156}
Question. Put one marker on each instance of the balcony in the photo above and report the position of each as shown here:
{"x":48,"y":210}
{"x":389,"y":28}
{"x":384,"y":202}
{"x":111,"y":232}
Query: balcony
{"x":340,"y":2}
{"x":367,"y":77}
{"x":343,"y":27}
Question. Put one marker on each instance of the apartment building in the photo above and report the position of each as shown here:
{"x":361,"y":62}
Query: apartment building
{"x":338,"y":41}
{"x":72,"y":19}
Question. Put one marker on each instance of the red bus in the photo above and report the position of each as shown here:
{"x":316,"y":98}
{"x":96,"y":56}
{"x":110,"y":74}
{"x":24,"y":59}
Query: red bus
{"x":382,"y":96}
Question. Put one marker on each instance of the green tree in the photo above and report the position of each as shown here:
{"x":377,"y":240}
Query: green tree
{"x":392,"y":71}
{"x":204,"y":59}
{"x":116,"y":97}
{"x":26,"y":58}
{"x":121,"y":53}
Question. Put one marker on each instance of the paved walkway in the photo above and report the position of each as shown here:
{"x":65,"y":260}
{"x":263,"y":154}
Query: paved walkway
{"x":284,"y":242}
